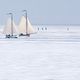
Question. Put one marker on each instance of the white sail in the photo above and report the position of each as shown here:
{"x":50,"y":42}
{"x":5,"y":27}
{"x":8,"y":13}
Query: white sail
{"x":7,"y":28}
{"x":22,"y":26}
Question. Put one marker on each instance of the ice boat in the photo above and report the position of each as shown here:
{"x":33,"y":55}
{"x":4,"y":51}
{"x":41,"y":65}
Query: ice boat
{"x":25,"y":28}
{"x":10,"y":30}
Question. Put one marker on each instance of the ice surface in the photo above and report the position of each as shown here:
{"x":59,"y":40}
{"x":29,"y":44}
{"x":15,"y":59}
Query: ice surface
{"x":48,"y":55}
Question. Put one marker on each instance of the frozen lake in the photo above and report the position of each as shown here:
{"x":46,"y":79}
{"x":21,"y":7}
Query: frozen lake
{"x":49,"y":55}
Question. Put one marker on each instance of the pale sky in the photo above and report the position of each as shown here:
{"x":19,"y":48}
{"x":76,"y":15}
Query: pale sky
{"x":42,"y":11}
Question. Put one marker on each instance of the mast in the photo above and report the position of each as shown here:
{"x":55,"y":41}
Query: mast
{"x":11,"y":23}
{"x":26,"y":21}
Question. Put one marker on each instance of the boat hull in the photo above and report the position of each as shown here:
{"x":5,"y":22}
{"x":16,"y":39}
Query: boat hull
{"x":24,"y":35}
{"x":11,"y":36}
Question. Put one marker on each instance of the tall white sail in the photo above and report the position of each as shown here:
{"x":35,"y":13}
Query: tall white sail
{"x":22,"y":26}
{"x":7,"y":29}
